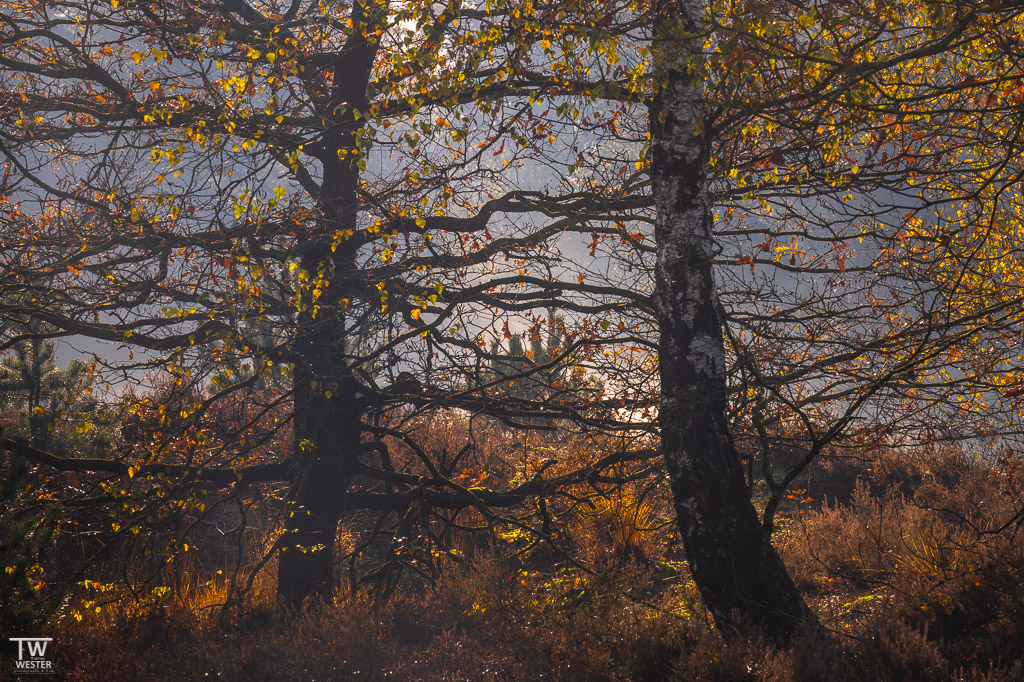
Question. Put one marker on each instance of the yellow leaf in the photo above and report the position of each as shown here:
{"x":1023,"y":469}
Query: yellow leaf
{"x":415,"y":313}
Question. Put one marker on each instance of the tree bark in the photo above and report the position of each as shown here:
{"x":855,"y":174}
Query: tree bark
{"x":328,"y":431}
{"x":328,"y":414}
{"x":741,"y":578}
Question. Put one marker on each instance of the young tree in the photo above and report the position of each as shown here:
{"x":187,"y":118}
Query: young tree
{"x":31,"y":382}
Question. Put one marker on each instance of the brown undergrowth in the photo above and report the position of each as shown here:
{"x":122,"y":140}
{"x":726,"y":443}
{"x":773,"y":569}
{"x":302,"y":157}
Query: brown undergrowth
{"x":914,"y":563}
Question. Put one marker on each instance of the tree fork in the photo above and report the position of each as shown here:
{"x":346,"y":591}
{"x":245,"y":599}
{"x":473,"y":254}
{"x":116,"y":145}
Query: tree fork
{"x":741,"y":577}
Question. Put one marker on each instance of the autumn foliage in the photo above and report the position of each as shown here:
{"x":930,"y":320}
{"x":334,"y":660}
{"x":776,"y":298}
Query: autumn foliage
{"x":429,"y":328}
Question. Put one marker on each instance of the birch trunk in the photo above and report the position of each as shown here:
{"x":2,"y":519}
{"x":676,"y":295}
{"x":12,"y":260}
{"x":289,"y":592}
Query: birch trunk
{"x":741,"y":578}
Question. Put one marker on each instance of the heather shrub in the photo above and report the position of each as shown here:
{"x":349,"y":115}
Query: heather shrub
{"x":914,"y":573}
{"x":925,"y":563}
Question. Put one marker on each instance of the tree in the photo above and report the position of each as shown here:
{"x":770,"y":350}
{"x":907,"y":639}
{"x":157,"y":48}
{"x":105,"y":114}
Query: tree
{"x":732,"y":560}
{"x":220,"y":175}
{"x":389,"y":188}
{"x":542,"y":374}
{"x":25,"y":541}
{"x":853,"y":126}
{"x":30,"y":379}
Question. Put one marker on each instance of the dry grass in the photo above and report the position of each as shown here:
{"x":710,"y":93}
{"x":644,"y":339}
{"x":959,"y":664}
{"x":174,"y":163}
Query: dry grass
{"x":915,"y":572}
{"x":488,"y":622}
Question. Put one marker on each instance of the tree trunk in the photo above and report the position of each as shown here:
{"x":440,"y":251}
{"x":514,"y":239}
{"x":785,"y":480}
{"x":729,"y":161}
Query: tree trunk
{"x":741,"y":578}
{"x":327,"y":455}
{"x":306,"y":564}
{"x":328,"y":413}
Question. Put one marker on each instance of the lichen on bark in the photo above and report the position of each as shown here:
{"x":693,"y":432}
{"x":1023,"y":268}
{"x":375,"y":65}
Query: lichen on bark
{"x":739,"y":574}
